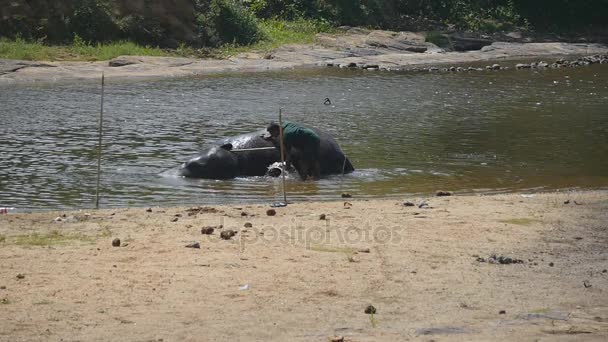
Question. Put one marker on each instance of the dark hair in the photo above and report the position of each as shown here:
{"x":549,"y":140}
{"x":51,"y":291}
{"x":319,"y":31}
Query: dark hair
{"x":272,"y":126}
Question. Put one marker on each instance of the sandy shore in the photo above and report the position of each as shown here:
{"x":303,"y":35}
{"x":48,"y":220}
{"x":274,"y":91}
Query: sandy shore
{"x":371,"y":50}
{"x":295,"y":277}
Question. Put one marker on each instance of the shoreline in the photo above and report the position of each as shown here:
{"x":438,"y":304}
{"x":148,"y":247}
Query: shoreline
{"x":473,"y":267}
{"x":364,"y":49}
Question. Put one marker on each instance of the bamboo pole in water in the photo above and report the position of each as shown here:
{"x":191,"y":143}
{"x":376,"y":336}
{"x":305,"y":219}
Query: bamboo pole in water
{"x":282,"y":153}
{"x":99,"y":142}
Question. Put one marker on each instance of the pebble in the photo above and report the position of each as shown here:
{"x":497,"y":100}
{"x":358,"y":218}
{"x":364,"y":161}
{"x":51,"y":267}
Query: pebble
{"x":20,"y":276}
{"x":443,"y":193}
{"x":194,"y":245}
{"x":502,"y":312}
{"x":116,"y":242}
{"x":370,"y":310}
{"x":207,"y":230}
{"x":322,"y":217}
{"x":248,"y":225}
{"x":409,"y":204}
{"x":551,"y":264}
{"x":227,"y":234}
{"x":364,"y":250}
{"x":244,"y":213}
{"x":337,"y":339}
{"x":149,"y":210}
{"x":2,"y":287}
{"x":174,"y":219}
{"x":271,"y":212}
{"x":346,"y":195}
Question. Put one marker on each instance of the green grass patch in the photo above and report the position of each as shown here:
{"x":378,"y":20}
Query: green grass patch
{"x":280,"y":32}
{"x":50,"y":239}
{"x":2,"y":238}
{"x":521,"y":221}
{"x":319,"y":248}
{"x":78,"y":51}
{"x":275,"y":33}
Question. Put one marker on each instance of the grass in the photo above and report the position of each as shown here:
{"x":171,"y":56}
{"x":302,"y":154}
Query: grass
{"x":275,"y":32}
{"x":278,"y":33}
{"x":2,"y":238}
{"x":50,"y":239}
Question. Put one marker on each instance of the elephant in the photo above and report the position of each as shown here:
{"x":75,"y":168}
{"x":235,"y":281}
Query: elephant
{"x":224,"y":161}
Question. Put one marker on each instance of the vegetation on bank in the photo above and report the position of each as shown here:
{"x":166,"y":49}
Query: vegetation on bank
{"x":103,"y":29}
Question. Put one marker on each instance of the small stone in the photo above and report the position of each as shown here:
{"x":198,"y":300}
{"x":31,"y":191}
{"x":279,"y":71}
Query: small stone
{"x":523,"y":66}
{"x":2,"y":287}
{"x":551,"y":264}
{"x":337,"y":339}
{"x":346,"y":195}
{"x":364,"y":250}
{"x":271,"y":212}
{"x":227,"y":234}
{"x":149,"y":210}
{"x":604,"y":271}
{"x":567,"y":202}
{"x":248,"y":225}
{"x":20,"y":276}
{"x":495,"y":66}
{"x":370,"y":310}
{"x":322,"y":217}
{"x":502,"y":312}
{"x":587,"y":284}
{"x":207,"y":230}
{"x":194,"y":245}
{"x":409,"y":204}
{"x":443,"y":193}
{"x":174,"y":219}
{"x":244,"y":213}
{"x":116,"y":242}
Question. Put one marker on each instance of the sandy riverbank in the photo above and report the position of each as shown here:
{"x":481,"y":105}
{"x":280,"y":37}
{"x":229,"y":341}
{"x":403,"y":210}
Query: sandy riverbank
{"x":380,"y":50}
{"x":296,"y":277}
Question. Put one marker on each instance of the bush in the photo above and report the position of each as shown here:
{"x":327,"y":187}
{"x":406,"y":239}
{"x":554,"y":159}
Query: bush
{"x":229,"y":22}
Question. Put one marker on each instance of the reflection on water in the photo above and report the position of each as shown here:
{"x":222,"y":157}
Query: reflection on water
{"x":405,"y":133}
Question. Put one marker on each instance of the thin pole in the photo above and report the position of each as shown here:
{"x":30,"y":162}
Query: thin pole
{"x":282,"y":153}
{"x":99,"y":143}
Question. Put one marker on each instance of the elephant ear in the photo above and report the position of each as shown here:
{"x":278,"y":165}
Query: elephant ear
{"x":227,"y":147}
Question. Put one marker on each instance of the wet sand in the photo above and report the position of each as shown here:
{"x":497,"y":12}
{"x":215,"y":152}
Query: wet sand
{"x":428,"y":271}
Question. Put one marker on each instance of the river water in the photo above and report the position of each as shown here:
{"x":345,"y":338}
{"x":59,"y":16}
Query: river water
{"x":407,"y":133}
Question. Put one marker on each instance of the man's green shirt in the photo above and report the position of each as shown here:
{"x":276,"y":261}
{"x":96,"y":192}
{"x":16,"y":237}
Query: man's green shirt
{"x":299,"y":136}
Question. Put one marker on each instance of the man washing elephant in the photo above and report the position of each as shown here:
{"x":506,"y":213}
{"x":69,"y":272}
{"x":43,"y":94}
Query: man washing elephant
{"x":302,"y":148}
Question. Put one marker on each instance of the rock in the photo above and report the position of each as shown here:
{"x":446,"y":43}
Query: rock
{"x":346,"y":195}
{"x":174,"y":219}
{"x":124,"y":61}
{"x":462,"y":42}
{"x":149,"y":210}
{"x":502,"y":312}
{"x":20,"y":276}
{"x":194,"y":245}
{"x":364,"y":250}
{"x":543,"y":65}
{"x":503,"y":260}
{"x":271,"y":212}
{"x":2,"y":287}
{"x":116,"y":242}
{"x":248,"y":225}
{"x":322,"y":217}
{"x":227,"y":234}
{"x":370,"y":310}
{"x":551,"y":264}
{"x":442,"y":193}
{"x":587,"y":284}
{"x":244,"y":213}
{"x":523,"y":66}
{"x":337,"y":339}
{"x":409,"y":204}
{"x":495,"y":66}
{"x":567,"y":202}
{"x":395,"y":41}
{"x":207,"y":230}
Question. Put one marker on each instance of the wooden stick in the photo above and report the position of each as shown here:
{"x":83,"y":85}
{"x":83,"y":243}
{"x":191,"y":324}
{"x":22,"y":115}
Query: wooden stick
{"x":282,"y":153}
{"x":99,"y":143}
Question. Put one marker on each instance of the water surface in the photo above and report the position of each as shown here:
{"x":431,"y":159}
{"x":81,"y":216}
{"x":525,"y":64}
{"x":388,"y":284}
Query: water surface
{"x":405,"y":133}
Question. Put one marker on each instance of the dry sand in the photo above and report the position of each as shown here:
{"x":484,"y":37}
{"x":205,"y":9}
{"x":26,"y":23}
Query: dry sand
{"x":295,"y":277}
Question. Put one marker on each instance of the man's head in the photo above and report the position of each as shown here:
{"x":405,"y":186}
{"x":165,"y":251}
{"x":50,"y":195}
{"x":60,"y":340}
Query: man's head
{"x":273,"y":129}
